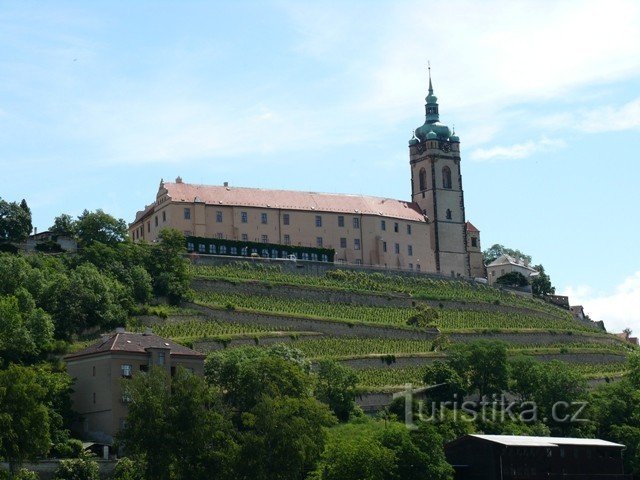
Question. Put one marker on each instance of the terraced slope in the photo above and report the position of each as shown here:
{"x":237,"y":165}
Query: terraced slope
{"x":361,"y":319}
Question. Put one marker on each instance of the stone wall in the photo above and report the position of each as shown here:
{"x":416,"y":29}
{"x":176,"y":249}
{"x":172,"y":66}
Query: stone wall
{"x":532,"y":338}
{"x":47,"y":468}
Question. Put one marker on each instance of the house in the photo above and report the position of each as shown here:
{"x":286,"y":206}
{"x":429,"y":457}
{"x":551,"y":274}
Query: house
{"x":476,"y":260}
{"x":506,"y":264}
{"x":47,"y":240}
{"x":626,"y":336}
{"x":98,"y":372}
{"x":508,"y":457}
{"x":426,"y":232}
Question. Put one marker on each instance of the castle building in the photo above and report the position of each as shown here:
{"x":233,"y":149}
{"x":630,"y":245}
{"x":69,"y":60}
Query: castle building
{"x":429,"y":233}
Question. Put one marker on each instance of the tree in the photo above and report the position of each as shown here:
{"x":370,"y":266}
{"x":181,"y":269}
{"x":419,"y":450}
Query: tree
{"x":336,"y":386}
{"x":63,"y":225}
{"x":166,"y":411}
{"x":100,"y":227}
{"x":446,"y":383}
{"x":15,"y":221}
{"x":541,"y":284}
{"x":482,"y":364}
{"x":24,"y":419}
{"x":77,"y":469}
{"x":495,"y":251}
{"x":513,"y":279}
{"x":168,"y":267}
{"x":424,"y":317}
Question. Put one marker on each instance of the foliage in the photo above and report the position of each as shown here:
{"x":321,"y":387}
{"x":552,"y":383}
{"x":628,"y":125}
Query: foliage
{"x":496,"y":250}
{"x":373,"y":450}
{"x":170,"y":271}
{"x":129,"y":468}
{"x":77,"y":469}
{"x":336,"y":386}
{"x":163,"y":413}
{"x":513,"y":279}
{"x":541,"y":284}
{"x":24,"y":419}
{"x":424,"y":317}
{"x":482,"y":365}
{"x":15,"y":221}
{"x":63,"y":225}
{"x":101,"y":227}
{"x":24,"y":474}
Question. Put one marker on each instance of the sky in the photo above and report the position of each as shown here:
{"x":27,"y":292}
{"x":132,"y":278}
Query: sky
{"x":100,"y":100}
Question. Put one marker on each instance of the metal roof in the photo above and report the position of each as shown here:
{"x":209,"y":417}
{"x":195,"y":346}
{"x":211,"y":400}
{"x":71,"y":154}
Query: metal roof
{"x":525,"y":441}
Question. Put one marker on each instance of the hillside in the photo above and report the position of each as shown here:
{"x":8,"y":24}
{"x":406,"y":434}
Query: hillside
{"x":360,"y":319}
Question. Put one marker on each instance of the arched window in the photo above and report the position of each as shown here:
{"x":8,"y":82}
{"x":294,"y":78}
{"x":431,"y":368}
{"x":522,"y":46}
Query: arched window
{"x":446,"y":177}
{"x":448,"y":214}
{"x":423,"y":179}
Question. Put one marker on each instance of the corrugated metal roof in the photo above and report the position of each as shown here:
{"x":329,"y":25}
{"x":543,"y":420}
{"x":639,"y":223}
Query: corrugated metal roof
{"x":526,"y":441}
{"x":293,"y":200}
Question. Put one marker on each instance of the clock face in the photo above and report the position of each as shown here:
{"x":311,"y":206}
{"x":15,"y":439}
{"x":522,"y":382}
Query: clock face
{"x":445,"y":146}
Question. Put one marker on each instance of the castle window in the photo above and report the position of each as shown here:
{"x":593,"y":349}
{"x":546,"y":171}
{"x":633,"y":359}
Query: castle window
{"x":411,"y":266}
{"x":383,"y":225}
{"x":446,"y":177}
{"x":384,"y":246}
{"x":190,"y":246}
{"x":356,"y":244}
{"x":187,"y":214}
{"x":219,"y":216}
{"x":319,"y":242}
{"x":318,"y":220}
{"x":126,"y":370}
{"x":287,"y":240}
{"x":340,"y":221}
{"x":356,"y":222}
{"x":343,"y":242}
{"x":408,"y":229}
{"x":422,"y":176}
{"x":264,"y":239}
{"x":201,"y":247}
{"x":148,"y":226}
{"x":396,"y":227}
{"x":245,"y":237}
{"x":448,"y":214}
{"x":410,"y":250}
{"x":244,"y":218}
{"x":263,"y":218}
{"x":212,"y":249}
{"x":417,"y":266}
{"x":219,"y":235}
{"x":474,"y":242}
{"x":285,"y":219}
{"x":156,"y":220}
{"x":397,"y":248}
{"x":164,"y":217}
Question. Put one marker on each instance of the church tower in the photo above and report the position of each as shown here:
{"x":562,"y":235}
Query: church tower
{"x":436,"y":186}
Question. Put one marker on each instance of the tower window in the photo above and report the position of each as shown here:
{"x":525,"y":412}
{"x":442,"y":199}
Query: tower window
{"x":446,"y":177}
{"x":156,"y":220}
{"x":384,"y":246}
{"x":474,"y":242}
{"x":448,"y":214}
{"x":422,"y":176}
{"x":164,"y":216}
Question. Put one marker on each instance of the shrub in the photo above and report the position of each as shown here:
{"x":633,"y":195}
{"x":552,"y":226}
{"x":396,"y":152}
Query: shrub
{"x":128,"y":469}
{"x":77,"y":469}
{"x":72,"y":448}
{"x":24,"y":474}
{"x":424,"y":317}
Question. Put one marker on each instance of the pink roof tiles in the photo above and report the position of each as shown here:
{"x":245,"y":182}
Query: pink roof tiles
{"x":292,"y":200}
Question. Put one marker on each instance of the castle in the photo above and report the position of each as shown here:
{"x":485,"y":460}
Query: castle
{"x":427,"y":234}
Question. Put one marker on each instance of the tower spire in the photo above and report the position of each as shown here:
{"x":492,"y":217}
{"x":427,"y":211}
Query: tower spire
{"x":430,"y":86}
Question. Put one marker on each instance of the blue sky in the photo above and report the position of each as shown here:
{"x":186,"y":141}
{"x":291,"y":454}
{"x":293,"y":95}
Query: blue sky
{"x":99,"y":100}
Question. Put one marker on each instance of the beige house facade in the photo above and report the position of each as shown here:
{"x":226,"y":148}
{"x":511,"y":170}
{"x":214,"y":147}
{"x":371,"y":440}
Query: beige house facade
{"x":99,"y":370}
{"x":426,"y":234}
{"x":506,"y":264}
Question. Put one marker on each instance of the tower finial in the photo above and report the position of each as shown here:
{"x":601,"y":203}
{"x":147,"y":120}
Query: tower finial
{"x":430,"y":86}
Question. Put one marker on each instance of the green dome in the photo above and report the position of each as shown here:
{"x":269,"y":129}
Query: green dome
{"x":439,"y":129}
{"x":454,"y":138}
{"x":413,"y":141}
{"x":432,"y":135}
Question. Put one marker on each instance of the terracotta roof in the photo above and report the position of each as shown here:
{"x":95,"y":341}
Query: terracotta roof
{"x":134,"y":343}
{"x":471,"y":228}
{"x":293,"y":200}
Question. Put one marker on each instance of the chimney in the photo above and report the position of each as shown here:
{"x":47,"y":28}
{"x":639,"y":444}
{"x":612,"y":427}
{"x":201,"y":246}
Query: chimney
{"x":148,"y":331}
{"x":178,"y":179}
{"x":226,"y":184}
{"x":120,"y":330}
{"x":35,"y":230}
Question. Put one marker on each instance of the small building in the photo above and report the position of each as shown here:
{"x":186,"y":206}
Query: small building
{"x":626,"y":336}
{"x":99,"y":369}
{"x":476,"y":260}
{"x":509,"y":457}
{"x":49,"y":241}
{"x":506,"y":264}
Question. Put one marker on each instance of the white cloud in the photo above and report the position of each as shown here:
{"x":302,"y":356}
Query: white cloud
{"x":598,"y":120}
{"x":515,"y":152}
{"x":619,"y":310}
